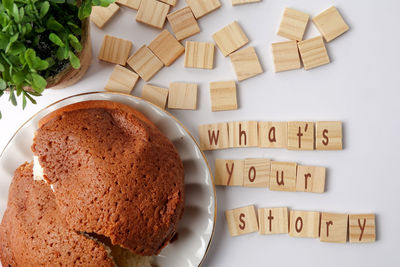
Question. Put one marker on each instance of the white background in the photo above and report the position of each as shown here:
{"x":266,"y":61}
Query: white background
{"x":361,"y":87}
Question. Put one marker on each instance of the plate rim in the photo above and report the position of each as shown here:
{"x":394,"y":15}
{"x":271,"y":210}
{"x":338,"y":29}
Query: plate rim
{"x":163,"y":110}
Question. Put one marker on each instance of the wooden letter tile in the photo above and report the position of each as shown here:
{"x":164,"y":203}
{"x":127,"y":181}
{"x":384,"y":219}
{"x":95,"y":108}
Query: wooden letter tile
{"x":286,"y":56}
{"x":166,"y":47}
{"x":201,"y":8}
{"x":362,"y":228}
{"x":223,"y":95}
{"x":156,"y":95}
{"x":152,"y":13}
{"x":283,"y":176}
{"x":170,"y":2}
{"x":114,"y":50}
{"x":313,"y":52}
{"x":333,"y":227}
{"x":183,"y":23}
{"x":293,"y":24}
{"x":272,"y":134}
{"x":214,"y":136}
{"x":242,"y":220}
{"x":199,"y":55}
{"x":330,"y":24}
{"x":329,"y":135}
{"x":230,"y":38}
{"x":245,"y":63}
{"x":134,"y":4}
{"x":241,"y":2}
{"x":273,"y":221}
{"x":243,"y":133}
{"x":256,"y":172}
{"x":121,"y":80}
{"x":101,"y":15}
{"x":304,"y":224}
{"x":229,"y":172}
{"x":182,"y":96}
{"x":145,"y":63}
{"x":300,"y":135}
{"x":310,"y":179}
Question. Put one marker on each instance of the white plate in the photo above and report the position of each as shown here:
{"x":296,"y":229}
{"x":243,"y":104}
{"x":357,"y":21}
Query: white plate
{"x":196,"y":228}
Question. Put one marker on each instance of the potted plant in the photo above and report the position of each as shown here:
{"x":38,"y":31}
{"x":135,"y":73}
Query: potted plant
{"x":43,"y":44}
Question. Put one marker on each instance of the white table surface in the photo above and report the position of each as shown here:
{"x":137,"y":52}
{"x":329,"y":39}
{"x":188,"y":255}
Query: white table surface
{"x":361,"y":87}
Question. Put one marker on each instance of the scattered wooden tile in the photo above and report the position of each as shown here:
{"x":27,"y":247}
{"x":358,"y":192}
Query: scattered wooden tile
{"x":243,"y":133}
{"x":362,"y":228}
{"x":183,"y":23}
{"x":229,"y":172}
{"x":121,"y":80}
{"x":330,"y":23}
{"x":115,"y":50}
{"x":214,"y":136}
{"x":134,"y":4}
{"x":182,"y":96}
{"x":286,"y":56}
{"x":256,"y":172}
{"x":313,"y":52}
{"x":199,"y":55}
{"x":300,"y":135}
{"x":293,"y":24}
{"x":329,"y":135}
{"x":245,"y":63}
{"x":333,"y":227}
{"x":201,"y":8}
{"x":242,"y":2}
{"x":166,"y":47}
{"x":169,"y":2}
{"x":304,"y":224}
{"x":272,"y":134}
{"x":230,"y":38}
{"x":145,"y":63}
{"x":283,"y":176}
{"x":242,"y":220}
{"x":223,"y":95}
{"x":101,"y":15}
{"x":152,"y":13}
{"x":156,"y":95}
{"x":310,"y":179}
{"x":273,"y":221}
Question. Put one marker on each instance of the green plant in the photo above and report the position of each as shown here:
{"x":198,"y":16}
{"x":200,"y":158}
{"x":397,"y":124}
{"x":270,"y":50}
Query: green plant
{"x":38,"y":39}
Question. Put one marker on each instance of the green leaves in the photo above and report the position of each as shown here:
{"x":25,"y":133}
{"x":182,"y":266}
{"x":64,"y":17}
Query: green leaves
{"x":56,"y":39}
{"x":34,"y":62}
{"x":85,"y":9}
{"x":44,"y":9}
{"x":74,"y":60}
{"x":75,"y":42}
{"x":38,"y":83}
{"x":53,"y":24}
{"x":8,"y":5}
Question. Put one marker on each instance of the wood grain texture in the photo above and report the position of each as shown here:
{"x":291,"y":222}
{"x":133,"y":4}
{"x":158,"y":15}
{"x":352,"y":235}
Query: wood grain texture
{"x":362,"y":228}
{"x":183,"y":23}
{"x":293,"y":24}
{"x":199,"y":55}
{"x":182,"y":96}
{"x":313,"y":52}
{"x":170,"y":2}
{"x":242,"y":2}
{"x":273,"y":220}
{"x":285,"y":56}
{"x":156,"y":95}
{"x":333,"y":227}
{"x":101,"y":15}
{"x":300,"y":135}
{"x":283,"y":176}
{"x":272,"y":134}
{"x":304,"y":224}
{"x":121,"y":80}
{"x":214,"y":136}
{"x":223,"y":95}
{"x":256,"y":172}
{"x":230,"y":38}
{"x":114,"y":50}
{"x":145,"y":63}
{"x":329,"y":135}
{"x":243,"y":133}
{"x":134,"y":4}
{"x":166,"y":47}
{"x":201,"y":8}
{"x":152,"y":13}
{"x":310,"y":179}
{"x":245,"y":63}
{"x":330,"y":23}
{"x":229,"y":172}
{"x":242,"y":220}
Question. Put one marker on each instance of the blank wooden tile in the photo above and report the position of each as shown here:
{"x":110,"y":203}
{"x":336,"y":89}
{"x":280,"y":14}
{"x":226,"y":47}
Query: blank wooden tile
{"x":156,"y":95}
{"x":362,"y":228}
{"x":293,"y":24}
{"x":182,"y":96}
{"x":283,"y":176}
{"x":229,"y":172}
{"x":310,"y":179}
{"x":199,"y":55}
{"x":201,"y":8}
{"x":134,"y":4}
{"x":223,"y":95}
{"x":242,"y":2}
{"x":273,"y":221}
{"x":145,"y":63}
{"x":152,"y":13}
{"x":121,"y":80}
{"x":242,"y":220}
{"x":214,"y":136}
{"x":286,"y":56}
{"x":329,"y":135}
{"x":101,"y":15}
{"x":333,"y":227}
{"x":300,"y":135}
{"x":230,"y":38}
{"x":304,"y":224}
{"x":170,"y":2}
{"x":183,"y":23}
{"x":256,"y":172}
{"x":313,"y":52}
{"x":272,"y":134}
{"x":330,"y":23}
{"x":243,"y":133}
{"x":166,"y":47}
{"x":245,"y":63}
{"x":115,"y":50}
